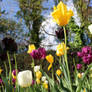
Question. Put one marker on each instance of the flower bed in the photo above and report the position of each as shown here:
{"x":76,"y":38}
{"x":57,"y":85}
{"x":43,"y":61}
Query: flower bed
{"x":65,"y":74}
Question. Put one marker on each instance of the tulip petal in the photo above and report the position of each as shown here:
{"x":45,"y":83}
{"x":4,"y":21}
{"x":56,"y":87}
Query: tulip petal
{"x":62,"y":8}
{"x":61,"y":15}
{"x":49,"y":67}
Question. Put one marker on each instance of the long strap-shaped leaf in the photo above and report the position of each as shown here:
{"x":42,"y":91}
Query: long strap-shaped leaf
{"x":81,"y":81}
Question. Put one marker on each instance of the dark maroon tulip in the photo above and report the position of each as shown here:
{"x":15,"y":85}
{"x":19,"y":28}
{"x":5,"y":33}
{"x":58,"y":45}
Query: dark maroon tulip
{"x":60,"y":33}
{"x":9,"y":44}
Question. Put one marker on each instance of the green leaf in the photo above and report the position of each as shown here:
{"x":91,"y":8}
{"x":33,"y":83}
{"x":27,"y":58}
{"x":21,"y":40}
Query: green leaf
{"x":83,"y":78}
{"x":8,"y":86}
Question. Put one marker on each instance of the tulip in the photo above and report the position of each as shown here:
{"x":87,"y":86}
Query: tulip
{"x":43,"y":78}
{"x":45,"y":85}
{"x":25,"y":78}
{"x":86,"y":49}
{"x":10,"y":44}
{"x":84,"y":90}
{"x":14,"y":72}
{"x":38,"y":81}
{"x":1,"y":70}
{"x":49,"y":67}
{"x":79,"y":66}
{"x":90,"y":28}
{"x":31,"y":48}
{"x":80,"y":54}
{"x":50,"y":59}
{"x":86,"y":54}
{"x":36,"y":68}
{"x":33,"y":82}
{"x":61,"y":49}
{"x":58,"y":72}
{"x":38,"y":53}
{"x":1,"y":81}
{"x":61,"y":15}
{"x":42,"y":52}
{"x":38,"y":74}
{"x":13,"y":80}
{"x":79,"y":75}
{"x":46,"y":81}
{"x":60,"y":33}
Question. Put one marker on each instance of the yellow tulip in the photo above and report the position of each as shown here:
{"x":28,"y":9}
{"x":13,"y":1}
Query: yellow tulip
{"x":84,"y":90}
{"x":61,"y":15}
{"x":38,"y":74}
{"x":31,"y":48}
{"x":58,"y":72}
{"x":49,"y":67}
{"x":61,"y":49}
{"x":38,"y":81}
{"x":45,"y":85}
{"x":50,"y":58}
{"x":13,"y":76}
{"x":1,"y":70}
{"x":79,"y":75}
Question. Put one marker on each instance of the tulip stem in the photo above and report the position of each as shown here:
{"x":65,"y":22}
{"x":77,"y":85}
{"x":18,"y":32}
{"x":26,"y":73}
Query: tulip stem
{"x":15,"y":66}
{"x":10,"y":72}
{"x":65,"y":56}
{"x":52,"y":73}
{"x":6,"y":69}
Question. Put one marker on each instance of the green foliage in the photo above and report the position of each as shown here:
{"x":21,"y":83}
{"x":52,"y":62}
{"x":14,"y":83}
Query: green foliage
{"x":6,"y":25}
{"x":75,"y":35}
{"x":31,"y":13}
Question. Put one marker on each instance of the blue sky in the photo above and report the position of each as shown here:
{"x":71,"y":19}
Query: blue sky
{"x":12,"y":6}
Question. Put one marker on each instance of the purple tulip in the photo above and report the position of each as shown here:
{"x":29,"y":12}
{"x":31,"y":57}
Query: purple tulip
{"x":86,"y":49}
{"x":38,"y":54}
{"x":42,"y":53}
{"x":79,"y":66}
{"x":14,"y":72}
{"x":80,"y":54}
{"x":34,"y":54}
{"x":86,"y":54}
{"x":33,"y":82}
{"x":86,"y":59}
{"x":1,"y":81}
{"x":13,"y":80}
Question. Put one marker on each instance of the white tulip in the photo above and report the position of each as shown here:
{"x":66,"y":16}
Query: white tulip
{"x":43,"y":78}
{"x":90,"y":28}
{"x":36,"y":68}
{"x":46,"y":81}
{"x":25,"y":78}
{"x":82,"y":74}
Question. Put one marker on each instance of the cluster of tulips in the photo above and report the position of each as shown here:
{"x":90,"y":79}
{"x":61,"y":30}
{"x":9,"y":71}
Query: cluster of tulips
{"x":61,"y":81}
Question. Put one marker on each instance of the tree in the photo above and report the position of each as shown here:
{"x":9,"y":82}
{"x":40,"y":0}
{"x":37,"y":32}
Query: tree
{"x":30,"y":11}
